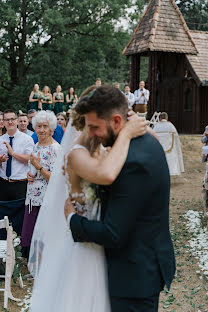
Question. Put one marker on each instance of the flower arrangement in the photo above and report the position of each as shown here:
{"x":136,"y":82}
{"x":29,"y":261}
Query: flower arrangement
{"x":18,"y":257}
{"x":59,"y":96}
{"x":38,"y":95}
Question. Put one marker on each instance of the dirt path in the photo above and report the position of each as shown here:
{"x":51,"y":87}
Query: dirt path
{"x":189,"y":292}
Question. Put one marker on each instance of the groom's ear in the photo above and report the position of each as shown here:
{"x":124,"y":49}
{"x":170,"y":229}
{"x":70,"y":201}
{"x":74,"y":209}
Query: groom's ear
{"x":116,"y":122}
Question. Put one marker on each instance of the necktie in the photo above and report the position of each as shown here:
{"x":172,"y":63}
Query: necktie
{"x":9,"y":161}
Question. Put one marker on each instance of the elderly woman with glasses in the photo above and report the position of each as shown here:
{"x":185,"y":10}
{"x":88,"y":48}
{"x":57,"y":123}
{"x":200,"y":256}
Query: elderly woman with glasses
{"x":42,"y":161}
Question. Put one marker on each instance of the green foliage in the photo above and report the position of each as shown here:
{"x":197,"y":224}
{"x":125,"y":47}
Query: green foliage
{"x":63,"y":42}
{"x":195,"y":13}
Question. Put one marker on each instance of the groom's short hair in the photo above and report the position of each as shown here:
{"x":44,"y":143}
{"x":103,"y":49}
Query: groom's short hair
{"x":104,"y":101}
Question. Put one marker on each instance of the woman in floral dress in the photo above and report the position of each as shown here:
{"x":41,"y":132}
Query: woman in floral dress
{"x":42,"y":161}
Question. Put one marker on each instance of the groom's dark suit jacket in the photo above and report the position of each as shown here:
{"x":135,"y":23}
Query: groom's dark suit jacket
{"x":135,"y":226}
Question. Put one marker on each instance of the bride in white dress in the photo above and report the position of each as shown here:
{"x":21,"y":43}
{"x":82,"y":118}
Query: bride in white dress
{"x":69,"y":276}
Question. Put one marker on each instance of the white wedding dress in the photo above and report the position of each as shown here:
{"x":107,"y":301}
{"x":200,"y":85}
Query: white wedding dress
{"x":69,"y":276}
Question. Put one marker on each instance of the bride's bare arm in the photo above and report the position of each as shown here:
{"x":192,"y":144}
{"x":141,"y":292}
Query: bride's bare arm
{"x":105,"y":170}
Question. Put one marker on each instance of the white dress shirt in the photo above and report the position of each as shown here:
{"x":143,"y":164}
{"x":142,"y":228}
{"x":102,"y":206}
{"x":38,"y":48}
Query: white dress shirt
{"x":140,"y":98}
{"x":130,"y":97}
{"x":21,"y":144}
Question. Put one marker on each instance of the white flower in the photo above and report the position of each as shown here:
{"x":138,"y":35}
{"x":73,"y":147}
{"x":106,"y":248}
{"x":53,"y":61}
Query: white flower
{"x":17,"y":242}
{"x":14,"y":235}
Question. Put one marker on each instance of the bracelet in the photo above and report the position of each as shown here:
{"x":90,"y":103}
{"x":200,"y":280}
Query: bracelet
{"x":40,"y":169}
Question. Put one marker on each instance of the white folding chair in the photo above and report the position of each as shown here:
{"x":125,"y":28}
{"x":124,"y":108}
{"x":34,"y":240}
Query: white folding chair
{"x":7,"y":253}
{"x":154,"y":119}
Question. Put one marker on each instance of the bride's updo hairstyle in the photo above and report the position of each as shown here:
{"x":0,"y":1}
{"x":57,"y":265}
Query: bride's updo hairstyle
{"x":104,"y":101}
{"x":78,"y":120}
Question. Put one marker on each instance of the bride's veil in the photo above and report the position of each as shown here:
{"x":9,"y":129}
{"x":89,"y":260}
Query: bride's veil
{"x":50,"y":231}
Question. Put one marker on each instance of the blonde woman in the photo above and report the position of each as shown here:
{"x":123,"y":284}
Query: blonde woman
{"x":35,"y":98}
{"x":58,"y":100}
{"x":46,"y":99}
{"x":62,"y":120}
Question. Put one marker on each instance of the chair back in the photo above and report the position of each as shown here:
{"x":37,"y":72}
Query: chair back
{"x":154,"y":119}
{"x":4,"y":223}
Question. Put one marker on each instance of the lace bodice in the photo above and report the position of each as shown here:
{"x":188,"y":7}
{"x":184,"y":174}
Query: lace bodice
{"x":91,"y":204}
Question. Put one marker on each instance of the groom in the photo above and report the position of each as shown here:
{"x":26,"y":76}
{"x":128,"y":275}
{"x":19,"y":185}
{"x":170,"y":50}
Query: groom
{"x":135,"y":226}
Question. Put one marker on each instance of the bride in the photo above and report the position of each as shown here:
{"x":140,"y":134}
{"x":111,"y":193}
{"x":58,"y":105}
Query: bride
{"x":71,"y":277}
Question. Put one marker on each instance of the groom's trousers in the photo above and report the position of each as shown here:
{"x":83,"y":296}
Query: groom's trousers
{"x":149,"y":304}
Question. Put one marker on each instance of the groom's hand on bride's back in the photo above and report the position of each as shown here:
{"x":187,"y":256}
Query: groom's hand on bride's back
{"x":68,"y":208}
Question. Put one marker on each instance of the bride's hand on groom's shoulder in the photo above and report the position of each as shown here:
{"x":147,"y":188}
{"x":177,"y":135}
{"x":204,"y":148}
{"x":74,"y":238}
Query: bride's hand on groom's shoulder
{"x":135,"y":126}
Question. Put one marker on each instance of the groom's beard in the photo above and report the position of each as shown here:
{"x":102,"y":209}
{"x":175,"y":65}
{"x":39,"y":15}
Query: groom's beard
{"x":109,"y":140}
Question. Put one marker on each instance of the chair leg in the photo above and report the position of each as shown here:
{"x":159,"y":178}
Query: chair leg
{"x":21,"y":281}
{"x":5,"y":299}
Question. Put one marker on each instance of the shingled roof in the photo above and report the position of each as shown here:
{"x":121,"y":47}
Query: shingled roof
{"x":161,"y":28}
{"x":199,"y":62}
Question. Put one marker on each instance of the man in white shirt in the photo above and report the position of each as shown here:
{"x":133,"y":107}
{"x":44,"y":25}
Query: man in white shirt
{"x":23,"y":123}
{"x":15,"y":150}
{"x":129,"y":95}
{"x":141,"y":98}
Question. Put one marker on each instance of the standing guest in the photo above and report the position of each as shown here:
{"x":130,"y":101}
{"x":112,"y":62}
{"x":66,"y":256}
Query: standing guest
{"x":15,"y":150}
{"x":204,"y":138}
{"x":129,"y":95}
{"x":57,"y":135}
{"x":62,"y":120}
{"x":23,"y":123}
{"x":46,"y":99}
{"x":35,"y":98}
{"x":71,"y":98}
{"x":42,"y":159}
{"x":31,"y":113}
{"x":141,"y":98}
{"x":58,"y":100}
{"x":98,"y":82}
{"x":117,"y":85}
{"x":2,"y":128}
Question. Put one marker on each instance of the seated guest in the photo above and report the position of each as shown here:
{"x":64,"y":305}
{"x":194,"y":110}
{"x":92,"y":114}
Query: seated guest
{"x":129,"y":95}
{"x":42,"y":160}
{"x":23,"y":123}
{"x":170,"y":141}
{"x":205,"y":136}
{"x":117,"y":85}
{"x":15,"y":149}
{"x":57,"y":135}
{"x":31,"y":113}
{"x":2,"y":128}
{"x":62,"y":120}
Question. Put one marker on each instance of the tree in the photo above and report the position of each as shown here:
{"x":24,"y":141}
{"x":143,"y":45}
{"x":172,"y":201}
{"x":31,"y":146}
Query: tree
{"x":195,"y":13}
{"x":46,"y":40}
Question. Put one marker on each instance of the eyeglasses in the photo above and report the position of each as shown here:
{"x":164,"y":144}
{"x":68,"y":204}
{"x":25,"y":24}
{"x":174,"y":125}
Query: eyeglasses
{"x":10,"y":119}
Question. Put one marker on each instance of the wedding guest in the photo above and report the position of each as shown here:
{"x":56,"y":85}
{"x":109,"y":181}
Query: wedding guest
{"x":31,"y":113}
{"x":57,"y":135}
{"x":62,"y":120}
{"x":141,"y":98}
{"x":204,"y":138}
{"x":2,"y":128}
{"x":35,"y":98}
{"x":15,"y":149}
{"x":98,"y":82}
{"x":129,"y":95}
{"x":46,"y":99}
{"x":42,"y":160}
{"x":23,"y":123}
{"x":71,"y":98}
{"x":58,"y":100}
{"x":170,"y":141}
{"x":117,"y":85}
